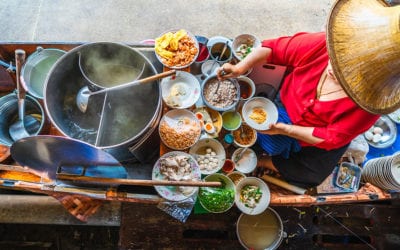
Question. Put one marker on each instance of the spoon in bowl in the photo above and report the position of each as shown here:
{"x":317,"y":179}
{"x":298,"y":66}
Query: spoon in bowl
{"x":219,"y":58}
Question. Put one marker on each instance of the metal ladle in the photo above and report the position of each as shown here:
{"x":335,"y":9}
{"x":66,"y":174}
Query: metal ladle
{"x":219,"y":58}
{"x":84,"y":93}
{"x":25,"y":125}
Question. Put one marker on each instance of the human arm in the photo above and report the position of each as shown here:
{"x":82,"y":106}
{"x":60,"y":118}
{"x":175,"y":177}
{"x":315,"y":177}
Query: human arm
{"x":295,"y":131}
{"x":329,"y":130}
{"x":256,"y":56}
{"x":345,"y":124}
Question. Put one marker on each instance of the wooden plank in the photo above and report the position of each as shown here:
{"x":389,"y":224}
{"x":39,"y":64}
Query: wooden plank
{"x":167,"y":232}
{"x":306,"y":228}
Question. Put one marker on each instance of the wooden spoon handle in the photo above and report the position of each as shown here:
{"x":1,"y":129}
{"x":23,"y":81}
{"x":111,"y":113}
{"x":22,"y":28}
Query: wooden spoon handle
{"x":140,"y":81}
{"x":157,"y":76}
{"x":135,"y":182}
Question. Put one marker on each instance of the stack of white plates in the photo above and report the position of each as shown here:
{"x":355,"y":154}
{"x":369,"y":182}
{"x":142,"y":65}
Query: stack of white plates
{"x":383,"y":172}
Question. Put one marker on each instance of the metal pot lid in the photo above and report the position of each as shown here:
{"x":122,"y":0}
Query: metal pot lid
{"x":55,"y":154}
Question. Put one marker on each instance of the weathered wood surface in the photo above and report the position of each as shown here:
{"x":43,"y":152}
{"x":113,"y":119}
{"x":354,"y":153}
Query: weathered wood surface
{"x":315,"y":227}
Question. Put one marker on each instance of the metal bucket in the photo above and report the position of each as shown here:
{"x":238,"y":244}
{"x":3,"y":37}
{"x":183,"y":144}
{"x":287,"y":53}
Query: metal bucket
{"x":9,"y":115}
{"x":36,"y":68}
{"x":262,"y":231}
{"x":115,"y":121}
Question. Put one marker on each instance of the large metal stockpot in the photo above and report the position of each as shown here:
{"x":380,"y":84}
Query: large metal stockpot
{"x":121,"y":122}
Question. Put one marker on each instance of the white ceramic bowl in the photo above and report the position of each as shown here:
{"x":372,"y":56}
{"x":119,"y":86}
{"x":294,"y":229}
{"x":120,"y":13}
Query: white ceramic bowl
{"x":222,"y":202}
{"x":181,"y":66}
{"x":209,"y":94}
{"x":180,"y":91}
{"x":175,"y":193}
{"x":247,"y":162}
{"x":199,"y":150}
{"x":260,"y":103}
{"x":179,"y":129}
{"x":209,"y":67}
{"x":241,"y":199}
{"x":248,"y":39}
{"x":219,"y":42}
{"x":247,"y":88}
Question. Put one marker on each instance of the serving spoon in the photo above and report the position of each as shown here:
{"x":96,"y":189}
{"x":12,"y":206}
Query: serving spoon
{"x":25,"y":125}
{"x":219,"y":58}
{"x":84,"y":93}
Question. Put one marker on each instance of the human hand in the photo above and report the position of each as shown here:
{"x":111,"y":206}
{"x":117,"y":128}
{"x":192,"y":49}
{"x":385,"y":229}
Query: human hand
{"x":228,"y":71}
{"x":278,"y":129}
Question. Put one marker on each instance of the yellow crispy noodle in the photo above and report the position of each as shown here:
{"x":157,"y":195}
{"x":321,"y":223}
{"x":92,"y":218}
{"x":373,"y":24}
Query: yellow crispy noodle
{"x":258,"y":115}
{"x":176,"y":49}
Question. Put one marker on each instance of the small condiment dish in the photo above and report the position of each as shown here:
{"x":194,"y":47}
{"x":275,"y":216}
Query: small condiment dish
{"x":236,"y":176}
{"x":231,"y":120}
{"x":247,"y":88}
{"x":245,"y":160}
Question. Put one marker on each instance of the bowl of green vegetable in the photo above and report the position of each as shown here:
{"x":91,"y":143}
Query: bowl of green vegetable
{"x":252,"y":195}
{"x":220,"y":199}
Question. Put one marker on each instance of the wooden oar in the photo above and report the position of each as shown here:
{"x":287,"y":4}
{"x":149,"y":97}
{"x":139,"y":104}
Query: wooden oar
{"x":135,"y":182}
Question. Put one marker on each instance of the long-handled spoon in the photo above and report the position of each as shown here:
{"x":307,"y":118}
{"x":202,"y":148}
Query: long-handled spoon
{"x":219,"y":58}
{"x":18,"y":129}
{"x":83,"y":95}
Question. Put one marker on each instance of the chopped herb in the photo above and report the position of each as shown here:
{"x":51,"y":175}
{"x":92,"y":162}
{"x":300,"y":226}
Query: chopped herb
{"x":216,"y":199}
{"x":250,"y":195}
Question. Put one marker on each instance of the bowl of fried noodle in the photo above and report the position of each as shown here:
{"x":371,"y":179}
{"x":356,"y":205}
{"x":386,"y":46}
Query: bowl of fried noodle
{"x":176,"y":49}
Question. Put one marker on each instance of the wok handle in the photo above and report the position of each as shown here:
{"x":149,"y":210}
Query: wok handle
{"x":135,"y":182}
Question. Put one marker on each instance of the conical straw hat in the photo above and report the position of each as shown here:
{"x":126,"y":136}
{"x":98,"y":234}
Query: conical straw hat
{"x":364,"y":47}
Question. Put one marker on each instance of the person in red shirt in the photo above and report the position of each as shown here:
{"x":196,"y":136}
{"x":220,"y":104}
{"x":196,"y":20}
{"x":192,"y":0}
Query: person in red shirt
{"x":319,"y":120}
